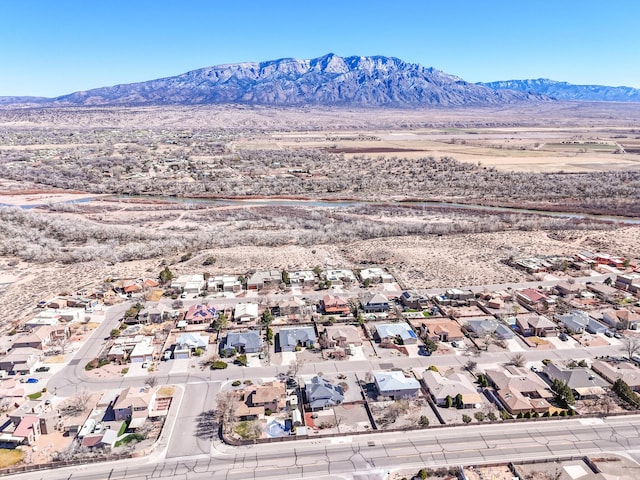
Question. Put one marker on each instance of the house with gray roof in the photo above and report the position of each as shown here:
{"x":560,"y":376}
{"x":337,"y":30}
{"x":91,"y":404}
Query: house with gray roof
{"x":578,"y":322}
{"x":390,"y":331}
{"x":321,"y":393}
{"x":242,"y":342}
{"x":488,"y":326}
{"x":375,"y":302}
{"x":290,"y":338}
{"x":394,"y":384}
{"x":583,"y":381}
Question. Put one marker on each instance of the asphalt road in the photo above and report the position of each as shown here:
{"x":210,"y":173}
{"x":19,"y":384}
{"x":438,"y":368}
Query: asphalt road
{"x":372,"y":456}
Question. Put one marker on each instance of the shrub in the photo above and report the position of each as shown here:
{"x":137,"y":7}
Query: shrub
{"x":423,"y":422}
{"x":197,"y":352}
{"x":124,"y":371}
{"x":235,"y":383}
{"x":546,"y":361}
{"x":267,"y":412}
{"x":242,"y":360}
{"x":248,"y":382}
{"x":466,"y":419}
{"x":218,"y":365}
{"x":479,"y":416}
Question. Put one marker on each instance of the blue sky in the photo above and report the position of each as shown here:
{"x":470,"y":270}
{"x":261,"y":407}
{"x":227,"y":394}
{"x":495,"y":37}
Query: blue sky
{"x":54,"y":47}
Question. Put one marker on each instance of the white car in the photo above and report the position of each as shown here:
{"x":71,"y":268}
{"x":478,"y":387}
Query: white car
{"x":145,"y":364}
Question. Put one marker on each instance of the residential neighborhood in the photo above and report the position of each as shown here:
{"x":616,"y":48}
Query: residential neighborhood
{"x":349,"y":351}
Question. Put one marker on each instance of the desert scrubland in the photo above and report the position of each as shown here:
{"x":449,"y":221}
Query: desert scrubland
{"x":131,"y":169}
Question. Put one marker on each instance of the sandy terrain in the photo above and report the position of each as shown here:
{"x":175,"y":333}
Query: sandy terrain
{"x":420,"y":262}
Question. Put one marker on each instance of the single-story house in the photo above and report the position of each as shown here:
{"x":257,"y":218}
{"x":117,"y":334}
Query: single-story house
{"x":264,"y":279}
{"x":20,"y":360}
{"x":25,"y":433}
{"x":442,"y":386}
{"x":622,"y":318}
{"x":193,"y":340}
{"x":578,"y":321}
{"x":538,"y":325}
{"x":457,"y":294}
{"x":245,"y":312}
{"x":375,"y":302}
{"x":143,"y":351}
{"x":583,"y":381}
{"x":488,"y":326}
{"x":629,"y":282}
{"x":605,"y":292}
{"x":341,"y":336}
{"x":224,"y":283}
{"x":611,"y":372}
{"x":396,"y":385}
{"x":438,"y":329}
{"x":321,"y":393}
{"x":242,"y":342}
{"x":335,"y":305}
{"x":107,"y":439}
{"x":201,"y":314}
{"x":519,"y":390}
{"x":339,"y":277}
{"x":293,"y":306}
{"x":375,"y":275}
{"x":38,"y":338}
{"x":191,"y":284}
{"x":390,"y":331}
{"x":290,"y":338}
{"x":302,"y":278}
{"x":531,"y":296}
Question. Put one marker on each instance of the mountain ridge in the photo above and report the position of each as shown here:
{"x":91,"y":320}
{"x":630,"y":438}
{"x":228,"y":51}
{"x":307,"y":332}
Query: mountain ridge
{"x":568,"y":91}
{"x":330,"y":80}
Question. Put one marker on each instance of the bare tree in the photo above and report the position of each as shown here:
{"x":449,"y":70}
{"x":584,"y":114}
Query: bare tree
{"x":471,"y":366}
{"x":75,"y":405}
{"x":151,"y":381}
{"x":517,"y":360}
{"x":631,"y":346}
{"x":224,"y":413}
{"x":294,"y":367}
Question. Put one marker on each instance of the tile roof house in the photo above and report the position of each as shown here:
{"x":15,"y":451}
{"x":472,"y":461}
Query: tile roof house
{"x":531,"y":296}
{"x":389,"y":331}
{"x":271,"y":395}
{"x":38,"y":338}
{"x":335,"y":305}
{"x":201,"y":314}
{"x":396,"y":385}
{"x":28,"y":429}
{"x":341,"y":336}
{"x":290,"y":338}
{"x":442,"y":386}
{"x":612,"y":371}
{"x":438,"y":329}
{"x":242,"y":342}
{"x":538,"y":325}
{"x":106,"y":440}
{"x":622,"y":318}
{"x":581,"y":380}
{"x":519,"y":390}
{"x":321,"y":393}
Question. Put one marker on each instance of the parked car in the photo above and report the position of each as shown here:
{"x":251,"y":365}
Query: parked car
{"x":563,"y":337}
{"x":617,"y":335}
{"x":32,"y":380}
{"x":43,"y":369}
{"x":454,"y":344}
{"x":145,"y":364}
{"x":609,"y":333}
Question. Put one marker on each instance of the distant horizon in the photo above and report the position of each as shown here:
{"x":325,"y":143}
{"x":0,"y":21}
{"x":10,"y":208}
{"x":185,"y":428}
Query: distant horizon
{"x":307,"y":58}
{"x":57,"y":48}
